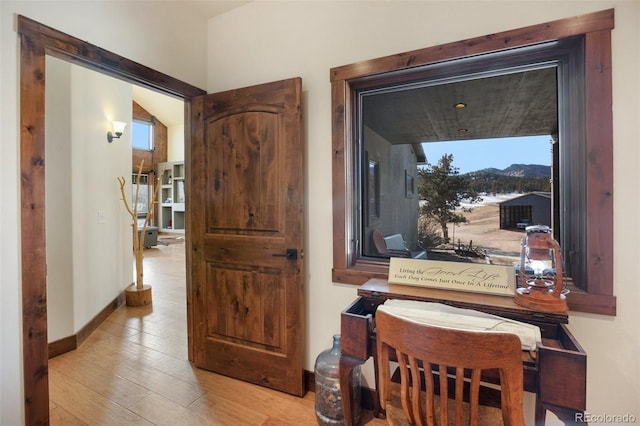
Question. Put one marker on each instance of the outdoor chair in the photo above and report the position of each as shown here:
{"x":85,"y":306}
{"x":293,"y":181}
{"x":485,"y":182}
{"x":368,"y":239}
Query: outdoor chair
{"x":395,"y":246}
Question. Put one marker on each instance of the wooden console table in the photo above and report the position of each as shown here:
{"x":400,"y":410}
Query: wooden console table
{"x":556,"y":373}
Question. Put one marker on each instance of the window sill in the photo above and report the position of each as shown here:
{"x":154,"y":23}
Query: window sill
{"x":581,"y":301}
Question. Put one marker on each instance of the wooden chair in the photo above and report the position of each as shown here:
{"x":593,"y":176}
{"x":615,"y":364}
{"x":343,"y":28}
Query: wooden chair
{"x":418,"y":346}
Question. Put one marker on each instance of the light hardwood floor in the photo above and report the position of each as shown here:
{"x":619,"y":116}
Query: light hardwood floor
{"x":133,"y":370}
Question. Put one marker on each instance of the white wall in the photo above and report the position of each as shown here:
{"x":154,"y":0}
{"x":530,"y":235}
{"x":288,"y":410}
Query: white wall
{"x":59,"y":215}
{"x":175,"y":143}
{"x":102,"y":237}
{"x":89,"y":238}
{"x":135,"y":30}
{"x":272,"y":40}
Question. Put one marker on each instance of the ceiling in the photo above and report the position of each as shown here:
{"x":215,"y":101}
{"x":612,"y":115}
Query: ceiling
{"x":517,"y":104}
{"x":168,"y":110}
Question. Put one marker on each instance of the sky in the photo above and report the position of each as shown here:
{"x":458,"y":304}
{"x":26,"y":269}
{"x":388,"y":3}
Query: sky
{"x":472,"y":155}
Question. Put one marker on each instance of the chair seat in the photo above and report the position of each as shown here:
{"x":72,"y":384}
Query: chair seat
{"x":490,"y":416}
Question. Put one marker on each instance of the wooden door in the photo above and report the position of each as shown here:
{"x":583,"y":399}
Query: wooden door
{"x":245,"y":235}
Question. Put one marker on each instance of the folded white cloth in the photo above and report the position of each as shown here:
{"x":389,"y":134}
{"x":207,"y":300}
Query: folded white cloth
{"x":441,"y":315}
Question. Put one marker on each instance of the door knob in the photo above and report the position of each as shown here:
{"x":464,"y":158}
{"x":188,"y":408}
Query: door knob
{"x":291,"y":254}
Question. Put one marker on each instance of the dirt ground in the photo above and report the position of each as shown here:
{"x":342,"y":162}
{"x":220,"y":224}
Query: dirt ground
{"x":483,"y":231}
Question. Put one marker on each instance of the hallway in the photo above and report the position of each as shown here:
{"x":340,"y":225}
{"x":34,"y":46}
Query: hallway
{"x":134,"y":370}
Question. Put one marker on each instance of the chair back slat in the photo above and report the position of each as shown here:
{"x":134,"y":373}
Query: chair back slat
{"x":416,"y":408}
{"x":444,"y":390}
{"x":430,"y":396}
{"x":474,"y":393}
{"x":459,"y":398}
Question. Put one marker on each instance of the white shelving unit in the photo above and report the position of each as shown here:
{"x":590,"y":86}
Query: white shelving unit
{"x":171,"y":197}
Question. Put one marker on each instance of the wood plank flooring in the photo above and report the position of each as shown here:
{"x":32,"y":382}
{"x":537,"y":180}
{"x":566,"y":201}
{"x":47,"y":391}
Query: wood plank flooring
{"x":133,"y":370}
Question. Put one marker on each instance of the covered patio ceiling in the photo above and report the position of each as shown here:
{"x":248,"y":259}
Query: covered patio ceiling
{"x":509,"y":105}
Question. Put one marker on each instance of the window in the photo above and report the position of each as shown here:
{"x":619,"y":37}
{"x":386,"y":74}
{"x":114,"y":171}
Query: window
{"x":142,"y":135}
{"x":578,"y":51}
{"x":501,"y":119}
{"x":142,"y":192}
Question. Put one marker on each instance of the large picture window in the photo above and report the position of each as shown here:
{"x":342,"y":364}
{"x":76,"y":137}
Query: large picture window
{"x":571,"y":58}
{"x":501,"y":136}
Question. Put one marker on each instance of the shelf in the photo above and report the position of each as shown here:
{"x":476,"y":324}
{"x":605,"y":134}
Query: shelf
{"x":172,"y":196}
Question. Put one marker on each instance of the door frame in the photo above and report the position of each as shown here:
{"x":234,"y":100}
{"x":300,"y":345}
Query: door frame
{"x":38,"y":40}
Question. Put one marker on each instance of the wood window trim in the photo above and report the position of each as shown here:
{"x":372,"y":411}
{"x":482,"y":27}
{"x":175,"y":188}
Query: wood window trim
{"x":36,"y":41}
{"x":596,"y":29}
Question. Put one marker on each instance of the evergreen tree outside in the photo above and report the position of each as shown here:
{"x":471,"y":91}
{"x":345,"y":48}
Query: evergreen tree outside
{"x":441,"y":190}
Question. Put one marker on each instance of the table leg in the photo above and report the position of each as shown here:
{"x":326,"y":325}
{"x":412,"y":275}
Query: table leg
{"x":347,"y":364}
{"x":540,"y":413}
{"x":568,"y":416}
{"x":377,"y":409}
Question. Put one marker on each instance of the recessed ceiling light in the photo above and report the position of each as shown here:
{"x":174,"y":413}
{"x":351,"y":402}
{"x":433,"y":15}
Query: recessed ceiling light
{"x":463,"y":130}
{"x":460,"y":105}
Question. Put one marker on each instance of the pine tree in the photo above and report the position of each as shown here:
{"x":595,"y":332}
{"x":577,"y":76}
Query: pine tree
{"x":441,"y":188}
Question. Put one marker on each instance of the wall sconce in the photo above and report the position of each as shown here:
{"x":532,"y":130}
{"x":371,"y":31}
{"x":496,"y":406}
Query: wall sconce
{"x":118,"y":128}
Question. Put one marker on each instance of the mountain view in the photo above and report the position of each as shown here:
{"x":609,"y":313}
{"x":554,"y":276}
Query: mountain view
{"x":519,"y":170}
{"x":515,"y":178}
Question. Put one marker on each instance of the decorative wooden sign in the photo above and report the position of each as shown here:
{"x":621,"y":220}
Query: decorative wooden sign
{"x":474,"y":277}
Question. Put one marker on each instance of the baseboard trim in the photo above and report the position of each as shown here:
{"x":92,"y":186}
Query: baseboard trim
{"x":309,"y":381}
{"x":61,"y":346}
{"x":70,"y":343}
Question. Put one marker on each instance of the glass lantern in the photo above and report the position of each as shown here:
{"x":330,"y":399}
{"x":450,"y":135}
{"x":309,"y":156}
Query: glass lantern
{"x":540,"y":279}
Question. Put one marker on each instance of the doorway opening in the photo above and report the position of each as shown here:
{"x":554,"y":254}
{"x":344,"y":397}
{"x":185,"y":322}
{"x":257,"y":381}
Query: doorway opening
{"x":37,"y":41}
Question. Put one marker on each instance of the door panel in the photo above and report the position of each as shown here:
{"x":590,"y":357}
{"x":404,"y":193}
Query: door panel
{"x":242,"y":137}
{"x":246,"y":304}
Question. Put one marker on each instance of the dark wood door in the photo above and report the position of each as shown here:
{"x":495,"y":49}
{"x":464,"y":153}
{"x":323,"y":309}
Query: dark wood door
{"x":245,"y":235}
